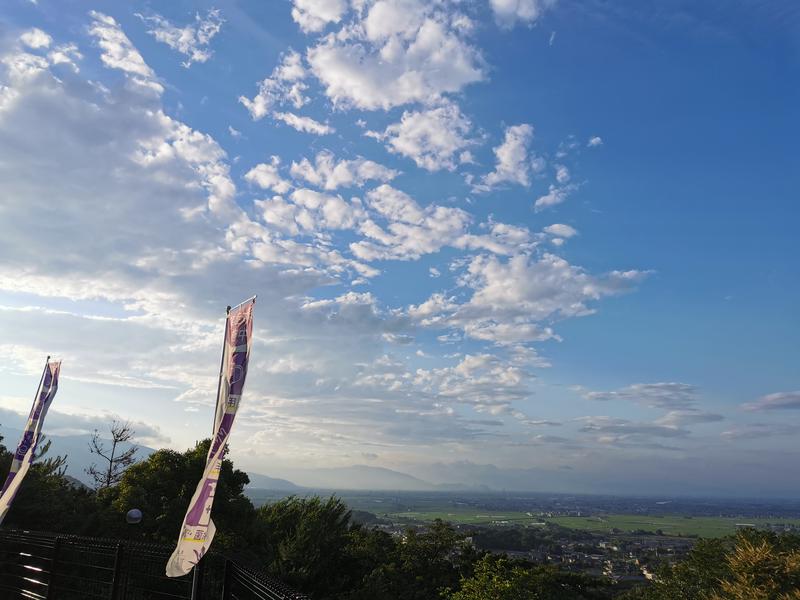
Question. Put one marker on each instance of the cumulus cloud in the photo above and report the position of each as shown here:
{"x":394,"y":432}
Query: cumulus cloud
{"x":776,"y":401}
{"x":36,"y":38}
{"x":507,"y":13}
{"x":513,"y":301}
{"x":284,"y":86}
{"x":314,"y":15}
{"x":513,"y":159}
{"x":119,"y":53}
{"x":594,"y":141}
{"x":434,"y":139}
{"x":411,"y":230}
{"x":267,"y":176}
{"x":329,"y":174}
{"x":555,"y":195}
{"x":396,"y":52}
{"x":561,"y":230}
{"x":191,"y":40}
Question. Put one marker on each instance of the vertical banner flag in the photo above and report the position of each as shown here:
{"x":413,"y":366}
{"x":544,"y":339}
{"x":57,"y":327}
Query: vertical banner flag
{"x":197,"y":530}
{"x":30,"y":438}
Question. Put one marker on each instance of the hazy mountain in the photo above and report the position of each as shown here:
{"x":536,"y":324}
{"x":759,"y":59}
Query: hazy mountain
{"x":76,"y":449}
{"x":360,"y":477}
{"x":271,"y":483}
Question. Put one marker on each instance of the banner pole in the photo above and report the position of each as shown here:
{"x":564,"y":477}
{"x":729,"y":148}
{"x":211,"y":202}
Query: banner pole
{"x":197,"y":576}
{"x":219,"y":381}
{"x":39,"y":389}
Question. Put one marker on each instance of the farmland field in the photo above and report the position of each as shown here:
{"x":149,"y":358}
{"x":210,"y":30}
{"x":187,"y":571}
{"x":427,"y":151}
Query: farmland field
{"x":669,"y":524}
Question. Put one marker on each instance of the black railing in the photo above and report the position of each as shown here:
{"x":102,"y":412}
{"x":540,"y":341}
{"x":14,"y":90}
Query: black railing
{"x":40,"y":566}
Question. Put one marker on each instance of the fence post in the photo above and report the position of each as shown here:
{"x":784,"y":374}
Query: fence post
{"x":51,"y":585}
{"x":115,"y":581}
{"x":197,"y":580}
{"x":227,"y":582}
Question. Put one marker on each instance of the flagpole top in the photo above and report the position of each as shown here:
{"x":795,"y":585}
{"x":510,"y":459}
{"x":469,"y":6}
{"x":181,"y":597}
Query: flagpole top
{"x":228,"y":309}
{"x":48,"y":357}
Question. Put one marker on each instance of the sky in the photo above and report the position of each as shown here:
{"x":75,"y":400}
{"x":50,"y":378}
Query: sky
{"x":533,"y":244}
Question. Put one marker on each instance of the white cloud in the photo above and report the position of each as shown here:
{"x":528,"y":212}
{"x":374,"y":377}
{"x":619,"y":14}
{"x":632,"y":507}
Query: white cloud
{"x":329,"y":212}
{"x":555,"y":195}
{"x":595,"y":141}
{"x":397,"y":52}
{"x":284,"y":86}
{"x":434,"y":139}
{"x":508,"y":12}
{"x":192,"y":40}
{"x":315,"y":15}
{"x":267,"y":177}
{"x":235,"y":133}
{"x":304,"y":124}
{"x":669,"y":395}
{"x":36,"y":38}
{"x":330,"y":174}
{"x":561,"y":230}
{"x":776,"y":401}
{"x":513,"y":160}
{"x":119,"y":53}
{"x":515,"y":301}
{"x":412,"y":230}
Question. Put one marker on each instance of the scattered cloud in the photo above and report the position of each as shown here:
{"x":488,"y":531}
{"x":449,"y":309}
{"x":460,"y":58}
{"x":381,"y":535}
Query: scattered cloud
{"x":36,"y":38}
{"x":329,"y":174}
{"x":315,"y":15}
{"x":595,"y":141}
{"x":434,"y":138}
{"x":667,"y":395}
{"x":304,"y":124}
{"x":561,"y":230}
{"x":776,"y":401}
{"x":396,"y":52}
{"x":191,"y":40}
{"x":513,"y":159}
{"x":284,"y":86}
{"x":267,"y":177}
{"x":554,"y":196}
{"x":119,"y":53}
{"x":508,"y":13}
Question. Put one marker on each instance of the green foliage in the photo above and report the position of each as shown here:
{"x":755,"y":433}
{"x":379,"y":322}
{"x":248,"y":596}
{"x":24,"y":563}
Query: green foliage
{"x":753,"y":565}
{"x":498,"y":578}
{"x":46,"y":501}
{"x":162,"y":487}
{"x":304,"y":542}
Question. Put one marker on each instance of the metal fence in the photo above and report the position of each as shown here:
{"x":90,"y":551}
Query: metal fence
{"x":40,"y":566}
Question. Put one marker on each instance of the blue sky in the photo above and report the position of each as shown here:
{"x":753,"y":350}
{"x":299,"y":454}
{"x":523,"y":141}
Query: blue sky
{"x":556,"y":238}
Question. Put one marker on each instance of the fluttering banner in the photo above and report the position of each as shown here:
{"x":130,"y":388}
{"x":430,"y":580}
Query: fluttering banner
{"x":197,"y":530}
{"x":30,"y":438}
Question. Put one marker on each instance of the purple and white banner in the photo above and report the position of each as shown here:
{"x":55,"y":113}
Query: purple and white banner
{"x":30,"y":437}
{"x":198,"y":529}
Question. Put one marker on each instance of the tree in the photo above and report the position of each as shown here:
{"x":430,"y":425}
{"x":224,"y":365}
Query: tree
{"x":162,"y":485}
{"x":753,"y":565}
{"x":760,"y":571}
{"x":47,"y":501}
{"x":114,"y":460}
{"x":497,"y":578}
{"x":305,"y":543}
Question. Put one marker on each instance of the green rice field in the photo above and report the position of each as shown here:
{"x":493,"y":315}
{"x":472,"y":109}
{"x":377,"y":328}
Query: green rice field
{"x":669,"y":524}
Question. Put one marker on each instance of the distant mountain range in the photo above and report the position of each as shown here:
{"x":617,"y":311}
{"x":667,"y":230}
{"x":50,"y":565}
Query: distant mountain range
{"x":356,"y":477}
